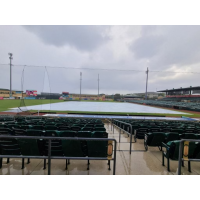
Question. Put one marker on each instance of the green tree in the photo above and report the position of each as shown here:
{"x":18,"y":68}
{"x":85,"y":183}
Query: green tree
{"x":117,"y":97}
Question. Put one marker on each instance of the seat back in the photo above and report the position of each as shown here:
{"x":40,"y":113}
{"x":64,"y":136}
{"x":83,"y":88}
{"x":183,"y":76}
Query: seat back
{"x":87,"y":128}
{"x":5,"y":131}
{"x":19,"y":132}
{"x":174,"y":149}
{"x":9,"y":147}
{"x":171,"y":137}
{"x":67,"y":133}
{"x":98,"y":148}
{"x":34,"y":132}
{"x":29,"y":147}
{"x":155,"y":139}
{"x":64,"y":128}
{"x":99,"y":129}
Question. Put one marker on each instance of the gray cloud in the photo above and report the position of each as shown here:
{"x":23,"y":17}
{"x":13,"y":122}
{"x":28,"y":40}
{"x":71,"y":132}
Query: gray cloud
{"x":84,"y":38}
{"x":161,"y":48}
{"x":168,"y":45}
{"x":147,"y":46}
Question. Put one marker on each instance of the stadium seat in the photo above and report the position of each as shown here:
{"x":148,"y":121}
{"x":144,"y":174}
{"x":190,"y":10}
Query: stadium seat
{"x":64,"y":128}
{"x":87,"y":129}
{"x":75,"y":128}
{"x":154,"y":139}
{"x":67,"y":133}
{"x":171,"y":136}
{"x":50,"y":127}
{"x":172,"y":152}
{"x":19,"y":132}
{"x":8,"y":147}
{"x":98,"y":148}
{"x":99,"y":129}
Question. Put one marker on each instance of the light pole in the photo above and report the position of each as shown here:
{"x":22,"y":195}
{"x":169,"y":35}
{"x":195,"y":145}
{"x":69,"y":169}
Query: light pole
{"x":80,"y":84}
{"x":98,"y":86}
{"x":146,"y":83}
{"x":10,"y":54}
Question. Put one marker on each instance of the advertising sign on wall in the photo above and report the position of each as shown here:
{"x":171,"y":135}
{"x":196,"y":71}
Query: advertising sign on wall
{"x":31,"y":92}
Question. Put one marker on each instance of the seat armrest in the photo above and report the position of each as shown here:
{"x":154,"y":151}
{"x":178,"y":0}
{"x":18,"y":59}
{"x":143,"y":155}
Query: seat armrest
{"x":165,"y":145}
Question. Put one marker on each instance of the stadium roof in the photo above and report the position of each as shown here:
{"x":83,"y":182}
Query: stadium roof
{"x":181,"y":89}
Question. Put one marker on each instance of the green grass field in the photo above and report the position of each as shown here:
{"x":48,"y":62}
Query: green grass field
{"x":9,"y":104}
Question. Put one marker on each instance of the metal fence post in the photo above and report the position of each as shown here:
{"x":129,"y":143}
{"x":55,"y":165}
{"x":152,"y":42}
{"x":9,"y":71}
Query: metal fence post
{"x":114,"y":164}
{"x":130,"y":139}
{"x":180,"y":157}
{"x":49,"y":157}
{"x":119,"y":135}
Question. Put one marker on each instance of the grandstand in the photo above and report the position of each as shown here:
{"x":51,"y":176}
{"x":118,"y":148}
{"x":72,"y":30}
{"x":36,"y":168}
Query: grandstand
{"x":182,"y":94}
{"x":181,"y":98}
{"x":79,"y":145}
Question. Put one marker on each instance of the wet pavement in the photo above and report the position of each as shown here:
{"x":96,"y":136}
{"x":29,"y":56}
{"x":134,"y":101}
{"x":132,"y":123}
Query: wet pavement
{"x":139,"y":162}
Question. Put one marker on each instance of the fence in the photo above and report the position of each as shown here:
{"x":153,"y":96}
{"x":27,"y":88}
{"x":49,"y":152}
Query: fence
{"x":49,"y":157}
{"x":130,"y":134}
{"x":181,"y":154}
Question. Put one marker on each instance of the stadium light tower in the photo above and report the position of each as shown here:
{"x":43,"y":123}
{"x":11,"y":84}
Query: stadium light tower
{"x":10,"y":54}
{"x":146,"y":83}
{"x":80,"y":84}
{"x":98,"y":86}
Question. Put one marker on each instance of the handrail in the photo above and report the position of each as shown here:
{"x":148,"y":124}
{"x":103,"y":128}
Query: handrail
{"x":126,"y":132}
{"x":49,"y":157}
{"x":180,"y":159}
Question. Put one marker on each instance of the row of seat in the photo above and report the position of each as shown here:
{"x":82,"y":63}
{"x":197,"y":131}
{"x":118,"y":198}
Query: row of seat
{"x":168,"y":142}
{"x":53,"y":127}
{"x":183,"y":105}
{"x":68,"y":148}
{"x":171,"y":152}
{"x":140,"y":131}
{"x":157,"y":138}
{"x":38,"y":127}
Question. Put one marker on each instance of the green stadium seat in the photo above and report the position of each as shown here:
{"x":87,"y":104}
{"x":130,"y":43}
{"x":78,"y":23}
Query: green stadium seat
{"x":87,"y":129}
{"x":171,"y":136}
{"x":34,"y":132}
{"x":67,"y":133}
{"x":154,"y":139}
{"x":172,"y":152}
{"x":99,"y":129}
{"x":64,"y":128}
{"x":50,"y":127}
{"x":36,"y":127}
{"x":98,"y":148}
{"x":19,"y":132}
{"x":8,"y":147}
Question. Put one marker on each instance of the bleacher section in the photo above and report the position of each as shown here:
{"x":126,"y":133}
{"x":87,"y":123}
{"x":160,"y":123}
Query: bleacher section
{"x":165,"y":134}
{"x":170,"y":104}
{"x":53,"y":127}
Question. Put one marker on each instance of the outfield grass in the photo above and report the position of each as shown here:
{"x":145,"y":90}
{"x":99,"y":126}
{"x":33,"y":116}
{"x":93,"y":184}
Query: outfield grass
{"x":7,"y":104}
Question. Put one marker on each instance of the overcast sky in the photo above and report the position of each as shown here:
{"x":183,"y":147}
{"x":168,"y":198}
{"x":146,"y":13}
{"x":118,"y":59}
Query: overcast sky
{"x":163,"y":49}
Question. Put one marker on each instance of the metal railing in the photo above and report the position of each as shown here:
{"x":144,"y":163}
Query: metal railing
{"x":129,"y":133}
{"x":49,"y":157}
{"x":180,"y":159}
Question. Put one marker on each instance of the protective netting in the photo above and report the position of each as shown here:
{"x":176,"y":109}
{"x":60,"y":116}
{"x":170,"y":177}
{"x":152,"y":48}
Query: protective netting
{"x":50,"y":82}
